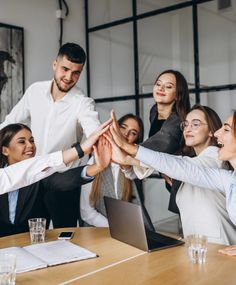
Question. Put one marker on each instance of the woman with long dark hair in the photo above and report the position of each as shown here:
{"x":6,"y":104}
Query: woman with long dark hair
{"x":112,"y":181}
{"x":171,"y":96}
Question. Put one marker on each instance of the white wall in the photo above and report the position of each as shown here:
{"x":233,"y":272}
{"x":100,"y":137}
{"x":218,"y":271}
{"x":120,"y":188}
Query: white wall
{"x":41,"y":31}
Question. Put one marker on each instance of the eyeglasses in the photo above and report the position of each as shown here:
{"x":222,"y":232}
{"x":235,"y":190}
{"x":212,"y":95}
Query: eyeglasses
{"x":194,"y":124}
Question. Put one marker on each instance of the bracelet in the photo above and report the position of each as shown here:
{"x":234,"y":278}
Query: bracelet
{"x":79,"y":150}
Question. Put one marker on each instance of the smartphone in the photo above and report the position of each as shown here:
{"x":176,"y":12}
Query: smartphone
{"x":66,"y":235}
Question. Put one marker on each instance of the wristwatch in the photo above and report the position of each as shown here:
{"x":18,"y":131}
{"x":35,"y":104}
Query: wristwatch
{"x":79,"y":150}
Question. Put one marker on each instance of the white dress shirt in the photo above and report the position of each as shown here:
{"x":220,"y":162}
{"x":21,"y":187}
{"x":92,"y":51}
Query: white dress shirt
{"x":29,"y":171}
{"x":55,"y":125}
{"x":182,"y":169}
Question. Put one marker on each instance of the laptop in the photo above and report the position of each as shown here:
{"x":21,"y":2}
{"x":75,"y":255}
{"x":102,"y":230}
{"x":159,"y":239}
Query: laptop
{"x":126,"y":224}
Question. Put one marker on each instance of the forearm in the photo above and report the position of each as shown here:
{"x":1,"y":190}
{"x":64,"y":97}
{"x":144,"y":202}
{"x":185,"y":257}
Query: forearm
{"x":93,"y":170}
{"x":69,"y":155}
{"x":181,"y":168}
{"x":130,"y":148}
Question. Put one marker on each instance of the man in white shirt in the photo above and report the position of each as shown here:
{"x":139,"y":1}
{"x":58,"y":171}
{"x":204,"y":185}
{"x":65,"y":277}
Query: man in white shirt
{"x":58,"y":113}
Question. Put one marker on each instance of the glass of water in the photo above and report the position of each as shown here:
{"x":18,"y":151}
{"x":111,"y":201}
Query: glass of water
{"x":197,"y":248}
{"x":37,"y":227}
{"x":7,"y":269}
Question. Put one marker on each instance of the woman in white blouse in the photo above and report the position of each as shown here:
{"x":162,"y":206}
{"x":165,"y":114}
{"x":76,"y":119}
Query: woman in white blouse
{"x":203,"y":211}
{"x":112,"y":181}
{"x":28,"y":169}
{"x":183,"y":169}
{"x":20,"y":171}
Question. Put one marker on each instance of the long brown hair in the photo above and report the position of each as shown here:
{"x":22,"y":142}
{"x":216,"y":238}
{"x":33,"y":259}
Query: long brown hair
{"x":234,"y":123}
{"x":6,"y":135}
{"x":127,"y":185}
{"x":182,"y":103}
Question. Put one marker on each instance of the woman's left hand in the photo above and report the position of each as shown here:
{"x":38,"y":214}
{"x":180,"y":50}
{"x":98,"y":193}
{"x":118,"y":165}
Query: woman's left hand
{"x":102,"y":153}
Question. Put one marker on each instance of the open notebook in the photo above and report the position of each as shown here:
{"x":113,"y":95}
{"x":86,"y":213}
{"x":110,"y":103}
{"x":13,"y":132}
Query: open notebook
{"x":51,"y":253}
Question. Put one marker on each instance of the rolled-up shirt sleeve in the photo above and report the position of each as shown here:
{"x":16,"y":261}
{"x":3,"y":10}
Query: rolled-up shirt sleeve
{"x":29,"y":171}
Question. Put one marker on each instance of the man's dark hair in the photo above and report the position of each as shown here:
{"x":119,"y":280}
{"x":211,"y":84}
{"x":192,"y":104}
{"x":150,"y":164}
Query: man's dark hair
{"x":73,"y":52}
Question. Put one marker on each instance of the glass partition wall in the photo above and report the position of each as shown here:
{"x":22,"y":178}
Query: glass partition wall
{"x":129,"y":42}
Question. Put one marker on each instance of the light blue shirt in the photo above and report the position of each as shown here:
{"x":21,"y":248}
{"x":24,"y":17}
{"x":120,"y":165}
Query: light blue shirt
{"x":182,"y":169}
{"x":12,"y":200}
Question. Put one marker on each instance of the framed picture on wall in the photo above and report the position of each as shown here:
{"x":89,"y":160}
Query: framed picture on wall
{"x":11,"y":67}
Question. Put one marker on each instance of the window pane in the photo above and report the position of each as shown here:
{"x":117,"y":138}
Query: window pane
{"x":147,"y":5}
{"x":222,"y":102}
{"x":121,"y":108}
{"x":156,"y":202}
{"x":111,"y":62}
{"x":165,"y":42}
{"x":145,"y":107}
{"x":217,"y":44}
{"x":105,"y":11}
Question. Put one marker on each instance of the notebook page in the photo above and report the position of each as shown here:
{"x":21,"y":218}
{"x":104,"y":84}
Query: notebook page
{"x":25,"y":261}
{"x":60,"y":251}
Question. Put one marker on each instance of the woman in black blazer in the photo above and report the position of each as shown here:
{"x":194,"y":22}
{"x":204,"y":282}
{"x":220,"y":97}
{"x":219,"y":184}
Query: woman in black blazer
{"x":16,"y":207}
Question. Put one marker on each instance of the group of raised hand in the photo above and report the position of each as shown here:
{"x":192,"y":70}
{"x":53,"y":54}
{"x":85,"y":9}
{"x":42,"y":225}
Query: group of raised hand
{"x":109,"y":145}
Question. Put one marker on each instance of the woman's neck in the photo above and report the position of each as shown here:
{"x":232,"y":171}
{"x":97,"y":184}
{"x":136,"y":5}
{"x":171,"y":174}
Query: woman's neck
{"x":164,"y":111}
{"x":199,"y":148}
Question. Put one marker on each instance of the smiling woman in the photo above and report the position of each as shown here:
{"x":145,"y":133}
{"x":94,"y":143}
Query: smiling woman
{"x":185,"y":169}
{"x":21,"y":171}
{"x":112,"y":182}
{"x":17,"y":145}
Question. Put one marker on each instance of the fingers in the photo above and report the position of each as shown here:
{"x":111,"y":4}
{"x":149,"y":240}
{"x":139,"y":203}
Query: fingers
{"x":114,"y":121}
{"x":109,"y":138}
{"x":95,"y":151}
{"x":105,"y":124}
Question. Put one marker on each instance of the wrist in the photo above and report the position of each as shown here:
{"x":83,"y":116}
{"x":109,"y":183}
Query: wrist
{"x":79,"y":149}
{"x":131,"y":149}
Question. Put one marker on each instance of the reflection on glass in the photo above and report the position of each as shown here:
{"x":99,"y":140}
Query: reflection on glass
{"x":105,"y":11}
{"x":111,"y":62}
{"x":222,"y":102}
{"x":121,"y":108}
{"x":165,"y":42}
{"x":144,"y":6}
{"x":217,"y":44}
{"x":145,"y":106}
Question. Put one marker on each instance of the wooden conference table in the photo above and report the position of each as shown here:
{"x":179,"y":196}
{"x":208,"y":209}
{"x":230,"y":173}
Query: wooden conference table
{"x":121,"y":264}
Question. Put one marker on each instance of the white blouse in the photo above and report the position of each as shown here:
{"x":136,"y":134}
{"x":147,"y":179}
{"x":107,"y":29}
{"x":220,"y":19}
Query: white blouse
{"x":182,"y":169}
{"x":29,"y":171}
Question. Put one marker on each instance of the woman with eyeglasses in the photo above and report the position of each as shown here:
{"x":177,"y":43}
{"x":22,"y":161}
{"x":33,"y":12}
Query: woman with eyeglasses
{"x":185,"y":169}
{"x":202,"y":211}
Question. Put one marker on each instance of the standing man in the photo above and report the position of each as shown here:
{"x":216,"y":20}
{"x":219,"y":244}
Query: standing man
{"x":59,"y":114}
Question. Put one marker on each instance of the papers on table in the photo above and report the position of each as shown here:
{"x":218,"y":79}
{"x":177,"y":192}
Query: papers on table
{"x":41,"y":255}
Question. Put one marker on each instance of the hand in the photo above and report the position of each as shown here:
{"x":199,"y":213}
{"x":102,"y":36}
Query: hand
{"x":87,"y":145}
{"x":119,"y":139}
{"x":229,"y":250}
{"x":116,"y":133}
{"x":119,"y":156}
{"x":102,"y":153}
{"x":167,"y":179}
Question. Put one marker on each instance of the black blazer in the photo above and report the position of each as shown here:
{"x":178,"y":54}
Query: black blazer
{"x":169,"y":137}
{"x":167,"y":140}
{"x":31,"y":200}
